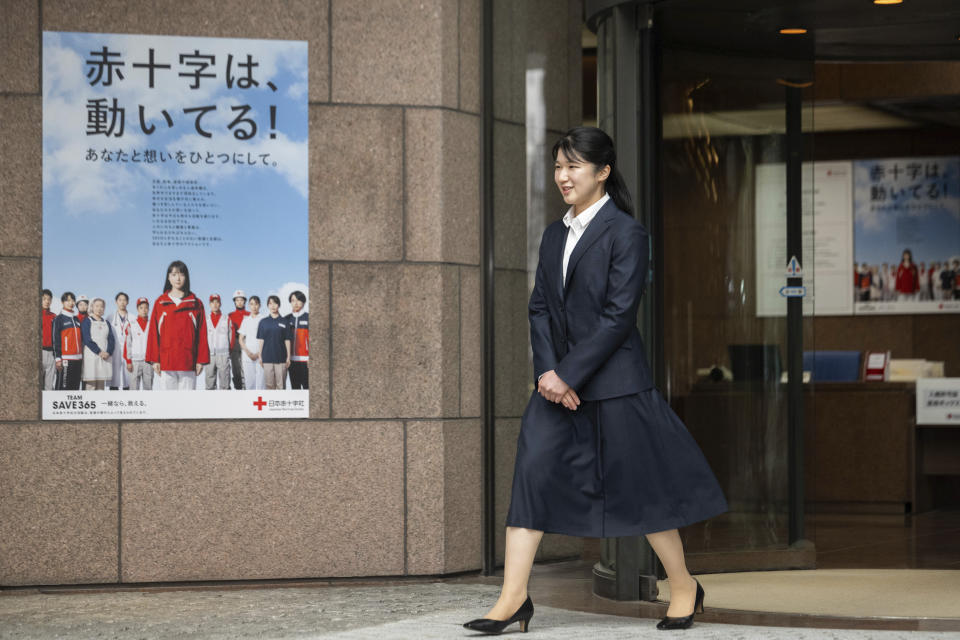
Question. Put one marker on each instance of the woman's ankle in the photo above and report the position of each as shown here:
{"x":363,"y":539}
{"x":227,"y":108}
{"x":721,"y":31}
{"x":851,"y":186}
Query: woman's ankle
{"x":513,"y":595}
{"x":686,"y":581}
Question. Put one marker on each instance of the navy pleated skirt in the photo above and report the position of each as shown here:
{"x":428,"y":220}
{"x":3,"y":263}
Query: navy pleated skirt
{"x":622,"y":466}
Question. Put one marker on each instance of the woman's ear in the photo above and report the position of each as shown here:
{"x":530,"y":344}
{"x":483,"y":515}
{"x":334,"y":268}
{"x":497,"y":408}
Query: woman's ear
{"x":604,"y":173}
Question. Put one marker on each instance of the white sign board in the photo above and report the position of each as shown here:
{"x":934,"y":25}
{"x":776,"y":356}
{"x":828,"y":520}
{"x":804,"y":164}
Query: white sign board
{"x":165,"y":405}
{"x":938,"y":401}
{"x":827,"y":238}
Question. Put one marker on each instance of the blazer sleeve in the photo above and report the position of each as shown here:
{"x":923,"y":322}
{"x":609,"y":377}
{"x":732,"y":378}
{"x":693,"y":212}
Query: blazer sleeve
{"x":541,"y":340}
{"x":629,"y":262}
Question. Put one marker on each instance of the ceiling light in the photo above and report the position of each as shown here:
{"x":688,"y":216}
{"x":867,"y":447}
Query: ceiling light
{"x":887,"y":1}
{"x":793,"y":31}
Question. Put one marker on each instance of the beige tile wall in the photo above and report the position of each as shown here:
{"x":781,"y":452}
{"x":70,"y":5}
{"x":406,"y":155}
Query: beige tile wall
{"x":385,"y":477}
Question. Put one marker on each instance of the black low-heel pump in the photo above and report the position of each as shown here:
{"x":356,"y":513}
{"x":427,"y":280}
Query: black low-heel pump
{"x":489,"y":626}
{"x":684,"y":622}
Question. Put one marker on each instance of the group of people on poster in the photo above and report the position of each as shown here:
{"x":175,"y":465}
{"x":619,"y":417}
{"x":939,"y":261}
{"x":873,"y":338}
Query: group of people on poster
{"x":907,"y":280}
{"x":174,"y":342}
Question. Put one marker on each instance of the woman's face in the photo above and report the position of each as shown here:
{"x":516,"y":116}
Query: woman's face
{"x":254,"y":307}
{"x":273,"y":305}
{"x":579,"y":182}
{"x":97,"y":308}
{"x":295,"y":304}
{"x":906,"y":258}
{"x":176,"y":278}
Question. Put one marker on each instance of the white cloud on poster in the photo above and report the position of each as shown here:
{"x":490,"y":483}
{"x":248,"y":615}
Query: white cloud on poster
{"x":98,"y":188}
{"x":297,"y":90}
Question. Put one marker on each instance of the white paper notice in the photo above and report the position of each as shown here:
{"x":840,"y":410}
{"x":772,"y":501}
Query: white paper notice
{"x":876,"y":360}
{"x":938,"y":401}
{"x":827,"y":238}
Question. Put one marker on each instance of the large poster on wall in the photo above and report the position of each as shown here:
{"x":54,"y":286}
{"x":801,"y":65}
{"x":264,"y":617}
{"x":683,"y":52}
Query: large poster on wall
{"x":175,"y":227}
{"x":907,"y":235}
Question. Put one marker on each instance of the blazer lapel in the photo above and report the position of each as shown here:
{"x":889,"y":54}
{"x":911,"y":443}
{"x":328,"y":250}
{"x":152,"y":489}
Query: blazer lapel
{"x":594,"y":230}
{"x":555,"y":260}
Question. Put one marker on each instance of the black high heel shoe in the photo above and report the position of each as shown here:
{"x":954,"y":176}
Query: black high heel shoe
{"x":487,"y":625}
{"x":684,"y":622}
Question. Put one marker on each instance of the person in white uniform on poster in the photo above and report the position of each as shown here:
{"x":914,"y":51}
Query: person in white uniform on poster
{"x":218,"y":338}
{"x":922,"y":291}
{"x":119,"y":322}
{"x":247,"y":335}
{"x":98,"y":346}
{"x":889,"y":282}
{"x":141,"y":373}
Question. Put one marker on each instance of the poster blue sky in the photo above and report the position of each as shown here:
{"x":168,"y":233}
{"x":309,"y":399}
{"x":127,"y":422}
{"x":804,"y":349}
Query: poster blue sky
{"x":907,"y":203}
{"x":225,"y":117}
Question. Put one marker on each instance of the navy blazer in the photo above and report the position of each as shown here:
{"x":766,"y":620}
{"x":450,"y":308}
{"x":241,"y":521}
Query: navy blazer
{"x":586,"y":330}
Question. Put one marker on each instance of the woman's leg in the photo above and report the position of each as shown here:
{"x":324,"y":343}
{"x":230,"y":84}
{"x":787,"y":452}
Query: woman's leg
{"x":521,"y":547}
{"x":683,"y":588}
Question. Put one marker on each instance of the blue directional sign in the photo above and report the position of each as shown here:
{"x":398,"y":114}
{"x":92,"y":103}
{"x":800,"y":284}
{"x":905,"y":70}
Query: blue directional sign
{"x":794,"y":270}
{"x":793,"y":292}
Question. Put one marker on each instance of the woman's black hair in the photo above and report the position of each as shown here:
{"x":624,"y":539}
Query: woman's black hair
{"x":117,"y":297}
{"x":182,"y":268}
{"x":273,"y":299}
{"x":299,"y":296}
{"x":592,"y":145}
{"x":252,"y":298}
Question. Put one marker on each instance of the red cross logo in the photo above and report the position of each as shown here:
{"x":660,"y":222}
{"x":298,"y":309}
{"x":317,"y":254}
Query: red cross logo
{"x":259,"y":404}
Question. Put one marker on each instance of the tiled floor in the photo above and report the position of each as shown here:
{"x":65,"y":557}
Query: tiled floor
{"x":928,"y":540}
{"x":411,"y":611}
{"x":925,"y":541}
{"x":425,"y":608}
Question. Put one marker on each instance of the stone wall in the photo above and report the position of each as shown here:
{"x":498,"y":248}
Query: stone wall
{"x":385,"y":478}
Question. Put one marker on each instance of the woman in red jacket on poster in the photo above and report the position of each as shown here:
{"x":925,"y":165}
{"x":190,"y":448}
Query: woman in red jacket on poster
{"x":908,"y":279}
{"x":177,"y":337}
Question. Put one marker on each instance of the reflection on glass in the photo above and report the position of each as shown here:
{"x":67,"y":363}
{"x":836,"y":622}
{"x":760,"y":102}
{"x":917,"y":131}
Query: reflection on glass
{"x":535,"y":101}
{"x":723,"y":359}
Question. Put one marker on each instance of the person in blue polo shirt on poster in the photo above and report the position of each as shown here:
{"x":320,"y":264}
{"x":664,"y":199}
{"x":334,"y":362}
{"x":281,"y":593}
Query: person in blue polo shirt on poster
{"x":273,"y":334}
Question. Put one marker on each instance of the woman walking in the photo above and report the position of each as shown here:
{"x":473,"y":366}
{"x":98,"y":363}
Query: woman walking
{"x":600,"y":452}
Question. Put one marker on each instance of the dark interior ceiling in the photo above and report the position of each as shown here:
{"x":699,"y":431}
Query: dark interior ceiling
{"x":850,"y":30}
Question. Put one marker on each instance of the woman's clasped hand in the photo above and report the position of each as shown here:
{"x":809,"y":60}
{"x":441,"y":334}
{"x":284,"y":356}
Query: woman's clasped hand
{"x":554,"y":389}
